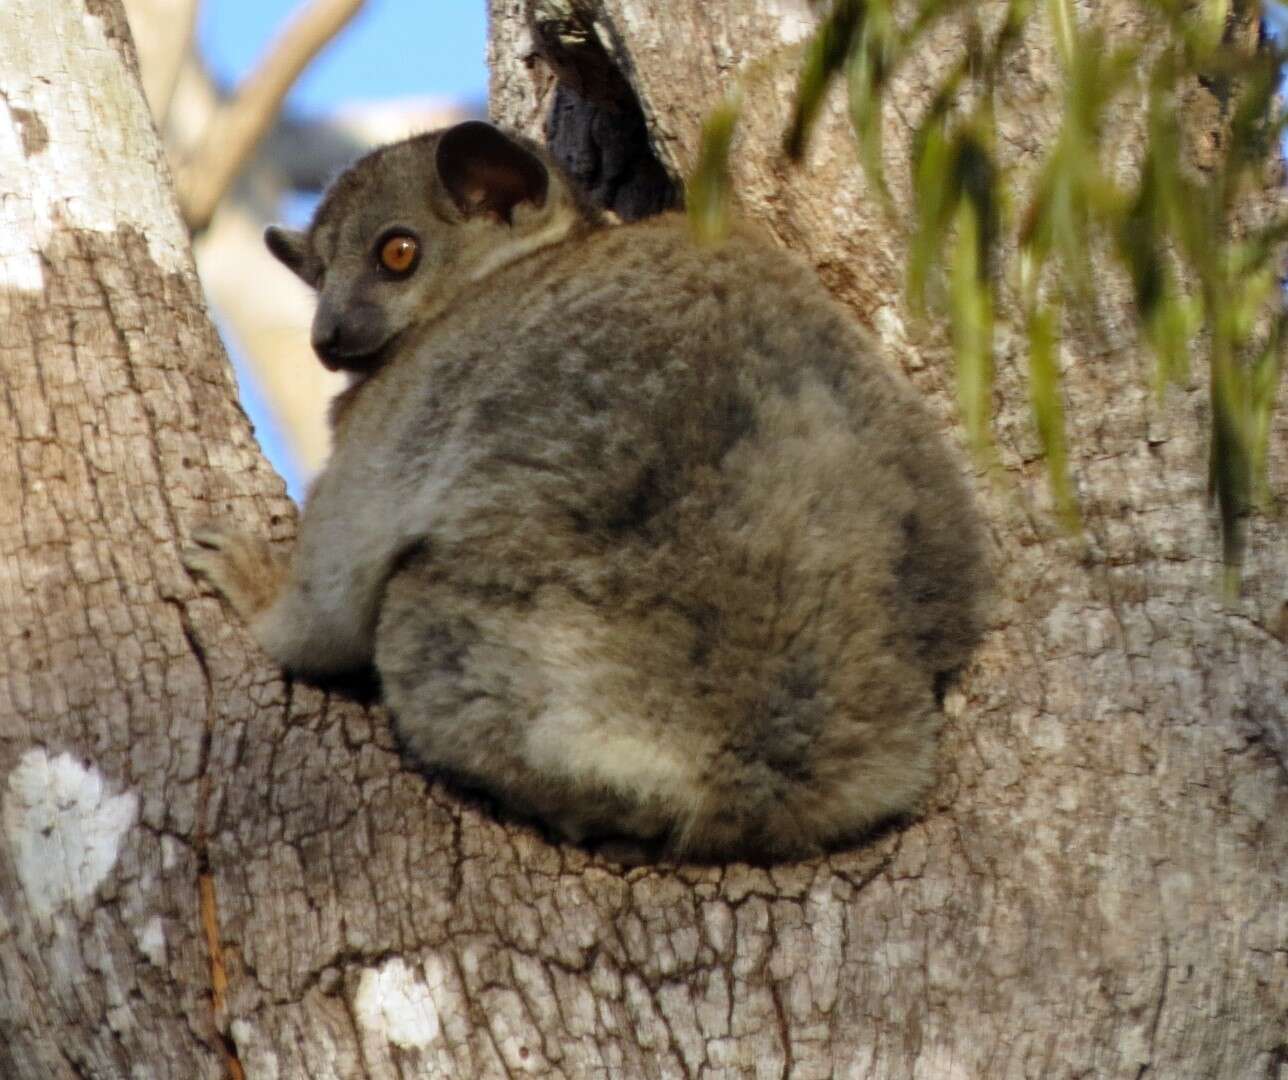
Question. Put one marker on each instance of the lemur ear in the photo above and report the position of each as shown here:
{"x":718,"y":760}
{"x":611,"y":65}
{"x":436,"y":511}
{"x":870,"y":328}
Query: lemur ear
{"x":486,"y":172}
{"x":290,"y":248}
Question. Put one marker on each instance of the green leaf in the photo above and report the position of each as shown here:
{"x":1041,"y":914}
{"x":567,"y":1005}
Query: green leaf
{"x":976,"y":179}
{"x":1170,"y":330}
{"x":824,"y":59}
{"x":1063,"y":29}
{"x":935,"y":182}
{"x":709,"y":191}
{"x":972,"y":318}
{"x":867,"y":74}
{"x":1254,"y":128}
{"x":1048,"y":412}
{"x":1230,"y":470}
{"x":1209,"y":28}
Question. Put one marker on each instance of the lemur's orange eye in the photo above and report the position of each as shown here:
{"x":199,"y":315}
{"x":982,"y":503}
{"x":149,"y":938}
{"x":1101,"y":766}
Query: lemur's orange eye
{"x":398,"y":254}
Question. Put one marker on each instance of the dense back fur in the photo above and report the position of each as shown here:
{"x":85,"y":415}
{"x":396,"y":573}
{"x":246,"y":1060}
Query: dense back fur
{"x":677,"y":558}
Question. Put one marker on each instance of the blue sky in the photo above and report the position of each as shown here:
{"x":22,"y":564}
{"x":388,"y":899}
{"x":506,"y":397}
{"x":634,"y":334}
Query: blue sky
{"x":392,"y":49}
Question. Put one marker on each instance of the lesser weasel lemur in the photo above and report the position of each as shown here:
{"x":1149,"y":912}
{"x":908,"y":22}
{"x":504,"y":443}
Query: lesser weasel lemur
{"x":641,"y":537}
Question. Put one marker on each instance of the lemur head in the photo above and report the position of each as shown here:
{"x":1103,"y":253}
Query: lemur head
{"x":404,"y":230}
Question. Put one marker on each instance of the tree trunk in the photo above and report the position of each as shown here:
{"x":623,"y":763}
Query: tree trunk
{"x":207,"y":870}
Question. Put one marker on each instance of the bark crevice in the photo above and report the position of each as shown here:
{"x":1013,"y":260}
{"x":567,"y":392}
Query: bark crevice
{"x":596,"y":128}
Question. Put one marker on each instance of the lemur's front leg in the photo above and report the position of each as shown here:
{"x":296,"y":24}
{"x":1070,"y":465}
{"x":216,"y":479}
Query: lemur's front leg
{"x":243,"y":569}
{"x":313,"y":613}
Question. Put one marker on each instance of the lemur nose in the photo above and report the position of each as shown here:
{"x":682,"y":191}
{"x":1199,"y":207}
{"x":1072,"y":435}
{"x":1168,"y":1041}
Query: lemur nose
{"x":348,"y":335}
{"x":325,"y":334}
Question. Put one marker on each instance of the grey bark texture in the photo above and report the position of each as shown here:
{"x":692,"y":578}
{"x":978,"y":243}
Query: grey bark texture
{"x":208,"y":871}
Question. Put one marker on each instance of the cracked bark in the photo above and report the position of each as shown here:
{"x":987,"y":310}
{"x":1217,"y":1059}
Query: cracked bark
{"x":1096,"y":887}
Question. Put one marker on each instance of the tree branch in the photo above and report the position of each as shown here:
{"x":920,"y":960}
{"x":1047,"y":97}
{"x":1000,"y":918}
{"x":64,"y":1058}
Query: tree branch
{"x":238,"y":127}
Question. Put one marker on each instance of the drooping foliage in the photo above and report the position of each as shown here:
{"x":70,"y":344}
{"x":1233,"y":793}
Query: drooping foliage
{"x":1203,"y":289}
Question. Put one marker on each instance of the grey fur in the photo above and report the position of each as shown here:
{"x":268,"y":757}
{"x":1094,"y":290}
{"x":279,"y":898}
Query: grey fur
{"x":643,"y":539}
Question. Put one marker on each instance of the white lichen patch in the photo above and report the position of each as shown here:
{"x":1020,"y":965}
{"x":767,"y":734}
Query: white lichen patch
{"x":392,"y":1002}
{"x":170,"y":849}
{"x":796,"y":19}
{"x":257,"y":1054}
{"x":77,"y":148}
{"x":63,"y":827}
{"x":151,"y":937}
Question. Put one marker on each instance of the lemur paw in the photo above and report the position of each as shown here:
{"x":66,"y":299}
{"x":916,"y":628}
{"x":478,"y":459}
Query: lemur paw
{"x":242,"y":568}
